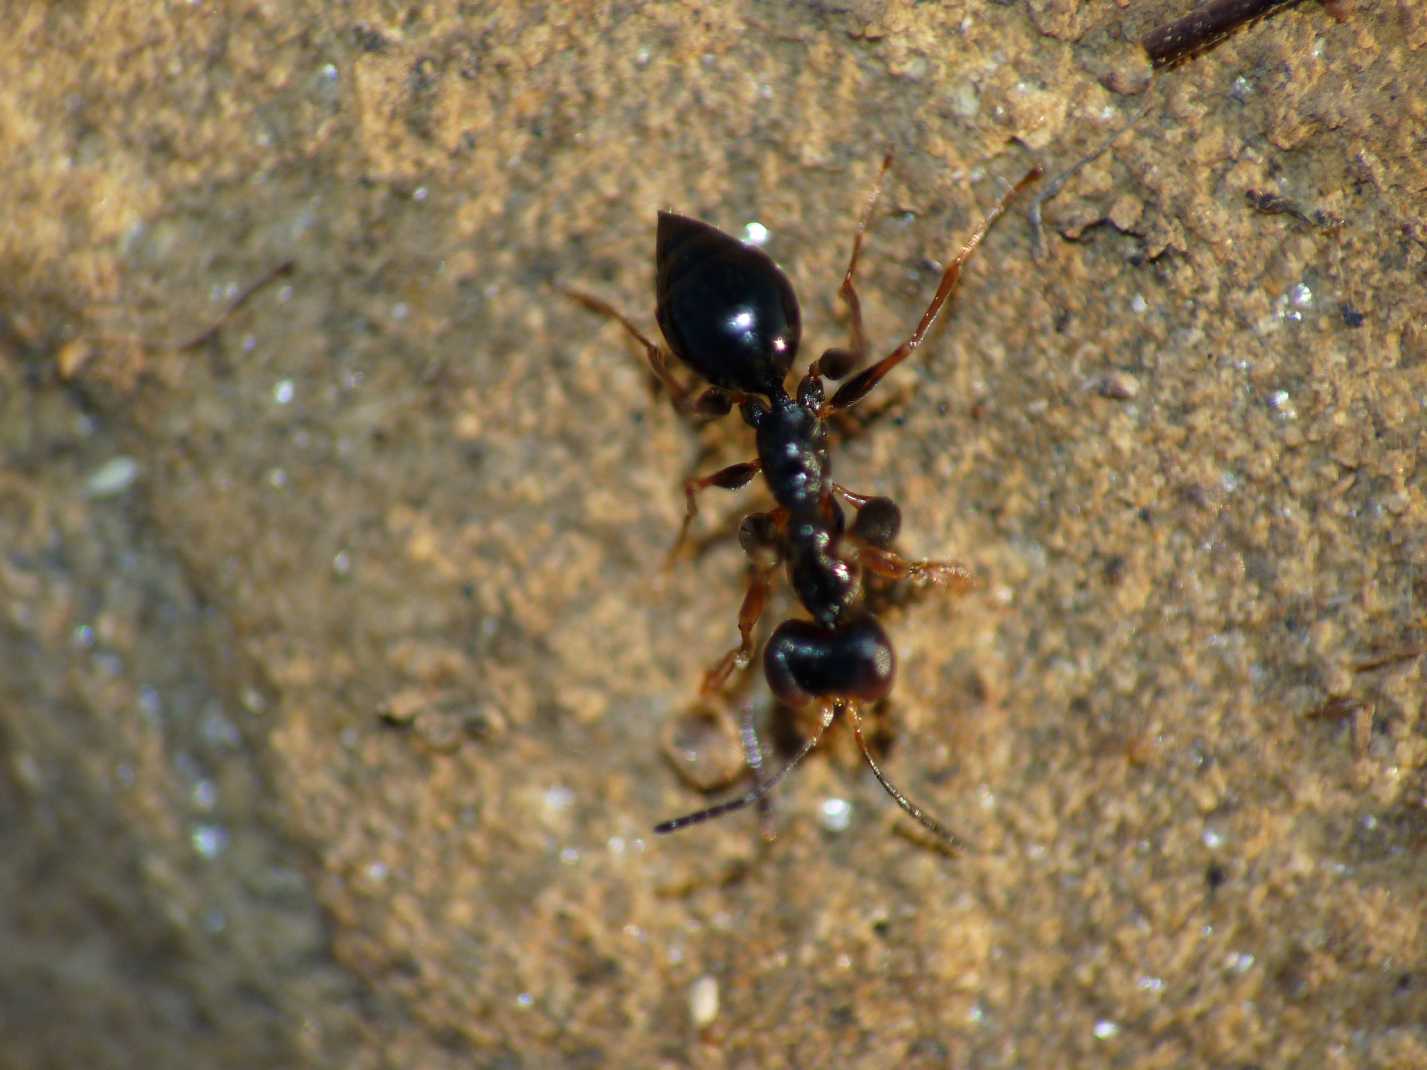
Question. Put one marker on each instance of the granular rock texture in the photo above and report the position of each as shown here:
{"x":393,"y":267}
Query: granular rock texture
{"x":335,"y":651}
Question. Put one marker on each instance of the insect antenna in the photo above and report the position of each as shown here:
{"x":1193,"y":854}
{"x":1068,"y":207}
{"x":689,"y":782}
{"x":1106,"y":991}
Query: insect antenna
{"x":761,"y":790}
{"x":940,"y":831}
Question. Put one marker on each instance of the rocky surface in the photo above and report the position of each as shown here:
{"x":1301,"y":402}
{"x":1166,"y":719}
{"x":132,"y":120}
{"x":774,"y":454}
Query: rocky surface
{"x":334,"y":649}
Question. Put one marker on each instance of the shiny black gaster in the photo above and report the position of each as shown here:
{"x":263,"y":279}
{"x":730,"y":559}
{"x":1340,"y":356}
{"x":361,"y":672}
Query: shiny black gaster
{"x":726,"y":310}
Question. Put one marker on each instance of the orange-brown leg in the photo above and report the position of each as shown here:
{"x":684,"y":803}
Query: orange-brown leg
{"x":860,"y":385}
{"x":761,"y":536}
{"x":837,"y":363}
{"x":889,"y":564}
{"x":877,"y":524}
{"x":760,"y":583}
{"x":731,"y":478}
{"x":657,"y":356}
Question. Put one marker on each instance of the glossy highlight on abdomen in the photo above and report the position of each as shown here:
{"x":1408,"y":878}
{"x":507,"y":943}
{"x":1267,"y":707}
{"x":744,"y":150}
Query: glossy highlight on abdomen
{"x":726,"y":309}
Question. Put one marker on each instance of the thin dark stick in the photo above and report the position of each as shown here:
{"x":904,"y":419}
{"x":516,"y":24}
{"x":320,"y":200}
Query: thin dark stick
{"x":283,"y":269}
{"x":1203,"y":27}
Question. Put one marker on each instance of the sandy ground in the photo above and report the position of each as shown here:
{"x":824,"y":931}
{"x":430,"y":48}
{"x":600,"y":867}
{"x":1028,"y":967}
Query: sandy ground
{"x":337,"y":670}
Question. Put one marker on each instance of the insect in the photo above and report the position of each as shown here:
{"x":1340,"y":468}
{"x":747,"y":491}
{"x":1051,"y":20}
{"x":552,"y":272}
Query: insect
{"x":728,"y":313}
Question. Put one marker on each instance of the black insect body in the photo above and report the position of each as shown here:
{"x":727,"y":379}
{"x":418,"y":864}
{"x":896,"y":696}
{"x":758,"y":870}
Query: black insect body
{"x":726,"y":310}
{"x":730,"y":314}
{"x":804,"y":661}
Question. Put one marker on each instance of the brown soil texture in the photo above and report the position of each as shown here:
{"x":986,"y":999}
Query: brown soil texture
{"x":337,"y":665}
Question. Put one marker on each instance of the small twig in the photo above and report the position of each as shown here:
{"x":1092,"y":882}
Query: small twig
{"x":1202,"y":28}
{"x":283,"y":269}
